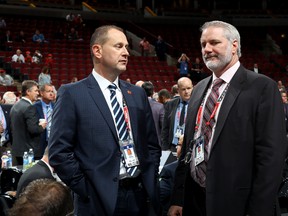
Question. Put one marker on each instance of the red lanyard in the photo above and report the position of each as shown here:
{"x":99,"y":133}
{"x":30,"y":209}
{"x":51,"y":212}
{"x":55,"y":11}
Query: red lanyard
{"x":126,"y":115}
{"x":212,"y":116}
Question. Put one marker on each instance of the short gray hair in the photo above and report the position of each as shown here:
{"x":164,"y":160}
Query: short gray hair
{"x":9,"y":97}
{"x":230,"y":31}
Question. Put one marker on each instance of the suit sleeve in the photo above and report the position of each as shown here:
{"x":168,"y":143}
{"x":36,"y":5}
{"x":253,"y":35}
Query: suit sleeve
{"x":62,"y":142}
{"x":153,"y":145}
{"x":31,"y":118}
{"x":165,"y":129}
{"x":270,"y":151}
{"x":161,"y":117}
{"x":166,"y":185}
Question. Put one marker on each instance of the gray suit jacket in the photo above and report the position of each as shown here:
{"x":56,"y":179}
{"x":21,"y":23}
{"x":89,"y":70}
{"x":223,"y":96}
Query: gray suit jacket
{"x":25,"y":129}
{"x":39,"y":171}
{"x":158,"y":116}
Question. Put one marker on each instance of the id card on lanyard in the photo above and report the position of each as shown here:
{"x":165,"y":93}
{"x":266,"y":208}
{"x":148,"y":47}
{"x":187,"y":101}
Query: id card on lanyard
{"x":127,"y":147}
{"x":199,"y":144}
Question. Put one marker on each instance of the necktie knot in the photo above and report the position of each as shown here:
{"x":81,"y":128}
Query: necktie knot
{"x":217,"y":83}
{"x":112,"y":87}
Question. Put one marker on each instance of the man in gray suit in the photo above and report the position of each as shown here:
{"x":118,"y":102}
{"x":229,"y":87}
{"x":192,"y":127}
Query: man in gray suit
{"x":24,"y":123}
{"x":156,"y":107}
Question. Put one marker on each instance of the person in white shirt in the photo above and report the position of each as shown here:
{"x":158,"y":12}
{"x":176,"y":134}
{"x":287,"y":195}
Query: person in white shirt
{"x":18,"y":57}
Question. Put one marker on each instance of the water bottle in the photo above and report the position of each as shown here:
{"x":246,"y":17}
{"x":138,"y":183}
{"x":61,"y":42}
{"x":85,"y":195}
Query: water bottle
{"x":25,"y":161}
{"x":4,"y":160}
{"x":30,"y":156}
{"x":9,"y":161}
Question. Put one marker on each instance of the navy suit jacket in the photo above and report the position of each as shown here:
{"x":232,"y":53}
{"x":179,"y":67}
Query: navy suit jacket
{"x":247,"y":152}
{"x":42,"y":137}
{"x":168,"y":123}
{"x":166,"y":183}
{"x":84,"y":149}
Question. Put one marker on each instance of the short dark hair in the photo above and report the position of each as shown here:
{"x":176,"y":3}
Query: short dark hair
{"x":148,"y":87}
{"x":100,"y":36}
{"x":44,"y":197}
{"x":174,"y":89}
{"x":27,"y":85}
{"x":164,"y":93}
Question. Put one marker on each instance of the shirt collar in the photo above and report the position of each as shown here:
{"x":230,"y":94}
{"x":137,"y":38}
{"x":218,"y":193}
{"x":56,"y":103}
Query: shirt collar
{"x":45,"y":105}
{"x":50,"y":168}
{"x":27,"y":99}
{"x":104,"y":83}
{"x":228,"y":74}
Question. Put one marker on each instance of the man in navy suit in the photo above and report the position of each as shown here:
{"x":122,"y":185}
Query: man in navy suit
{"x":86,"y":147}
{"x":237,"y":171}
{"x":172,"y":126}
{"x":42,"y":107}
{"x":156,"y":107}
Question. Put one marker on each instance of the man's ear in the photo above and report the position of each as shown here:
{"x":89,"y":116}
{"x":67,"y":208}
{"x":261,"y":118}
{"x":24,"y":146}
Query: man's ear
{"x":97,"y":50}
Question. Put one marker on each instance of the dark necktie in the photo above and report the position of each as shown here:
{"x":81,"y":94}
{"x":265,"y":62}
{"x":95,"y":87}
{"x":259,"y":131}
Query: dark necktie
{"x":118,"y":114}
{"x":183,"y":111}
{"x":49,"y":120}
{"x":206,"y":127}
{"x":121,"y":125}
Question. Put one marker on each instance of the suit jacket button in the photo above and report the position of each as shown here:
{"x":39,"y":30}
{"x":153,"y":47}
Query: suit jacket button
{"x":115,"y":179}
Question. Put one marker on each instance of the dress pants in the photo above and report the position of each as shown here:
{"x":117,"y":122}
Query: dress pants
{"x":132,"y":198}
{"x":198,"y":201}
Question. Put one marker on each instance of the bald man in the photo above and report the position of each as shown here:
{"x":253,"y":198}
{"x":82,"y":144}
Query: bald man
{"x":175,"y":115}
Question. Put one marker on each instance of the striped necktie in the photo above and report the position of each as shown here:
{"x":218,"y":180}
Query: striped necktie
{"x":121,"y":125}
{"x":207,"y":126}
{"x":49,"y":120}
{"x":118,"y":114}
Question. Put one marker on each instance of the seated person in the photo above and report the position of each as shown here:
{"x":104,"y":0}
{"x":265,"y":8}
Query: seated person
{"x":28,"y":57}
{"x":73,"y":35}
{"x":5,"y":79}
{"x":18,"y":57}
{"x":37,"y":57}
{"x":166,"y":180}
{"x":40,"y":170}
{"x":38,"y":37}
{"x":44,"y":197}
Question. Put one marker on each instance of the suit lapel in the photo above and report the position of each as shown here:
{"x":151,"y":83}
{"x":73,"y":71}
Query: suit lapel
{"x":234,"y":89}
{"x":194,"y":104}
{"x":99,"y":100}
{"x":174,"y":110}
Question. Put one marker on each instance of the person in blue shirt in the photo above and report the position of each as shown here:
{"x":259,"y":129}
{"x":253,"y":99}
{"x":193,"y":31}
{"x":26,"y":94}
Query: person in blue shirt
{"x":183,"y":62}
